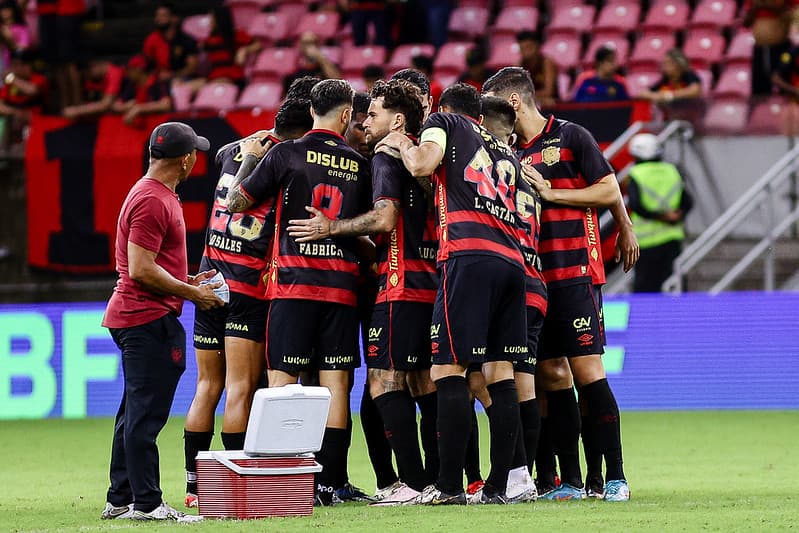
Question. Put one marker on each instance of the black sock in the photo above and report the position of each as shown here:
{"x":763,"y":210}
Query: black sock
{"x":349,"y":444}
{"x":472,"y":464}
{"x":376,"y":444}
{"x":503,"y":424}
{"x":233,"y":441}
{"x":428,"y":406}
{"x":545,"y":457}
{"x":331,"y":457}
{"x":454,"y":426}
{"x":531,"y":427}
{"x":398,"y":411}
{"x":593,"y":455}
{"x":565,"y":418}
{"x":603,"y":410}
{"x":194,"y":442}
{"x":519,"y":451}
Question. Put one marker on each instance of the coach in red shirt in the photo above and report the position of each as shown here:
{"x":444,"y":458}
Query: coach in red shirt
{"x":142,"y":316}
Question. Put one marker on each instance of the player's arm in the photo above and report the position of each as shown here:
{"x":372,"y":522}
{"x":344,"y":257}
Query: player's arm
{"x":382,"y":218}
{"x":261,"y":183}
{"x":603,"y":193}
{"x":252,"y":152}
{"x":91,"y":108}
{"x":420,"y":160}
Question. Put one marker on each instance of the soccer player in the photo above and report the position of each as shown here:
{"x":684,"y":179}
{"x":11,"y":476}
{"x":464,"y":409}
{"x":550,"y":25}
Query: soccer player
{"x":229,"y":341}
{"x":479,"y":314}
{"x":572,"y":177}
{"x":356,"y":133}
{"x":406,"y":247}
{"x":313,"y":322}
{"x":142,"y":317}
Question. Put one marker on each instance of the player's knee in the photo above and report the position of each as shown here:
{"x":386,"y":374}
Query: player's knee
{"x":554,"y":374}
{"x":382,"y":381}
{"x":525,"y":386}
{"x":587,"y":369}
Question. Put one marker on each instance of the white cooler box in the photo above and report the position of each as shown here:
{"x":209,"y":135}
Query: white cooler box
{"x":231,"y":484}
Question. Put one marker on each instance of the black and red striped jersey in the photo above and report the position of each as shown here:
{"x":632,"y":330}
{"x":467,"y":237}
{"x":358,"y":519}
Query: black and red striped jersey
{"x":406,"y":256}
{"x":238,"y":244}
{"x":568,"y":157}
{"x":475,"y":189}
{"x":320,"y":170}
{"x":528,"y":211}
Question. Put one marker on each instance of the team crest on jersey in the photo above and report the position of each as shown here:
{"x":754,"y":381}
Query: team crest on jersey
{"x":394,"y":279}
{"x":594,"y":254}
{"x":330,"y":143}
{"x":550,"y":155}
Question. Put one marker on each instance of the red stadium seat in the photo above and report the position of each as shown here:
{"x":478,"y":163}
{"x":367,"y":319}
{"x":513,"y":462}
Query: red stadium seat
{"x":263,"y":95}
{"x":270,"y":27}
{"x":294,"y":11}
{"x":273,"y":64}
{"x":485,"y":4}
{"x":726,"y":116}
{"x":735,"y":80}
{"x":356,"y":58}
{"x":468,"y":22}
{"x":740,"y":49}
{"x":216,"y":96}
{"x":503,"y":53}
{"x":358,"y":84}
{"x":571,"y":19}
{"x":401,"y":58}
{"x":565,"y":88}
{"x":706,"y":77}
{"x":243,"y":11}
{"x":639,"y":81}
{"x":714,"y":14}
{"x":445,"y":78}
{"x":667,"y":15}
{"x":704,"y":47}
{"x":333,"y":53}
{"x":323,"y":24}
{"x":772,"y":116}
{"x":618,"y":16}
{"x":198,"y":27}
{"x":651,"y":47}
{"x":616,"y":41}
{"x":181,"y":96}
{"x":512,"y":20}
{"x":451,"y":58}
{"x":564,"y":50}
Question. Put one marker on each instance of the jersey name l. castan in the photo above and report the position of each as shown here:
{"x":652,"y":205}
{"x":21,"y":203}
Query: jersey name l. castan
{"x":320,"y":170}
{"x":238,"y":244}
{"x":528,"y":211}
{"x":475,"y":188}
{"x":406,"y":256}
{"x":567,"y":156}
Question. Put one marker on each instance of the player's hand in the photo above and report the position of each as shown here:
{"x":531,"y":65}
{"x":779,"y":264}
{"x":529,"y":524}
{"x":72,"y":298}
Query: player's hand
{"x":388,"y":150}
{"x":130,"y":117}
{"x":202,"y":276}
{"x":310,"y":229}
{"x":627,"y":248}
{"x":394,"y":141}
{"x":205,"y":298}
{"x":537,"y":182}
{"x":69,"y":112}
{"x":252,"y":146}
{"x":672,"y":217}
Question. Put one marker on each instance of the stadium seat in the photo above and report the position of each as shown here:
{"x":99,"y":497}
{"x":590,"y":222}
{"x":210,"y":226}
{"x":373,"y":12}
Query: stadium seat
{"x":564,"y":50}
{"x":565,"y":88}
{"x":358,"y":84}
{"x":715,"y":14}
{"x":616,"y":41}
{"x":323,"y":24}
{"x":356,"y":58}
{"x":468,"y":22}
{"x":772,"y":116}
{"x":445,"y":78}
{"x":651,"y":47}
{"x":401,"y":58}
{"x":270,"y":27}
{"x":484,"y":4}
{"x":216,"y":96}
{"x":740,"y":49}
{"x":512,"y":20}
{"x":571,"y":19}
{"x":706,"y":77}
{"x":181,"y":96}
{"x":667,"y":15}
{"x":735,"y":80}
{"x":198,"y":27}
{"x":273,"y":64}
{"x":726,"y":115}
{"x":263,"y":95}
{"x":503,"y":53}
{"x":639,"y":81}
{"x":243,"y":11}
{"x":704,"y":47}
{"x":451,"y":58}
{"x":294,"y":11}
{"x":620,"y":16}
{"x":333,"y":53}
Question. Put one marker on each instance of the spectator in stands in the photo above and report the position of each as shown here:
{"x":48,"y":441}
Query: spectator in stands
{"x":678,"y":82}
{"x":541,"y":68}
{"x":312,"y":62}
{"x":371,"y":74}
{"x":172,"y":52}
{"x":23,"y":92}
{"x":227,"y":49}
{"x":14,"y":34}
{"x":364,"y":13}
{"x":770,"y":21}
{"x":59,"y":24}
{"x":438,"y":12}
{"x":786,"y":75}
{"x":476,"y":71}
{"x":356,"y":134}
{"x":424,"y":64}
{"x":101,"y":86}
{"x":603,"y":83}
{"x":141,"y":92}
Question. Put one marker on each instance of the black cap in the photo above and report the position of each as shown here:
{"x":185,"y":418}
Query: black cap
{"x":174,"y":139}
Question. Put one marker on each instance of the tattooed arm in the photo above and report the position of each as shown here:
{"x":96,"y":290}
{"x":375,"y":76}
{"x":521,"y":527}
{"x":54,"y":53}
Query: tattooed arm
{"x":381,"y":219}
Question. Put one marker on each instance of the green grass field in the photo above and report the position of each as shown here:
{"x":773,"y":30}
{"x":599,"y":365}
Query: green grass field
{"x":727,"y":471}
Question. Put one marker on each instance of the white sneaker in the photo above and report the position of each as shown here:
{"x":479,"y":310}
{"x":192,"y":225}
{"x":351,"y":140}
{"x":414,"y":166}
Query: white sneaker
{"x":112,"y":512}
{"x":382,"y":493}
{"x":401,"y":495}
{"x":165,"y":512}
{"x":521,"y":490}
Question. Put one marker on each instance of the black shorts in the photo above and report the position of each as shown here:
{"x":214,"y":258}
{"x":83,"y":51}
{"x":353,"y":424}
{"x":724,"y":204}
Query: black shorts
{"x":399,"y":336}
{"x":306,"y":335}
{"x":244,"y":317}
{"x":535,"y":321}
{"x":479,"y":315}
{"x":573,"y":325}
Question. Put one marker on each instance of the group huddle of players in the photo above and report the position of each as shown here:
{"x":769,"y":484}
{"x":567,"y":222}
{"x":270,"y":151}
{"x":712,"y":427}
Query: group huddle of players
{"x":463,"y":245}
